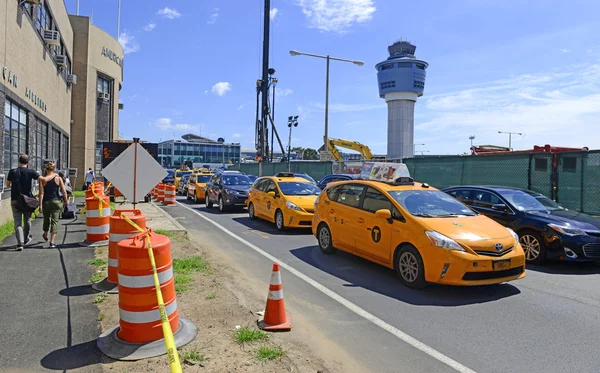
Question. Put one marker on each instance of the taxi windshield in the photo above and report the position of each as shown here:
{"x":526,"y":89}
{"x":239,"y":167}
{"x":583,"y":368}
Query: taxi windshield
{"x":290,"y":188}
{"x":430,"y":204}
{"x":182,"y":173}
{"x":203,"y":178}
{"x":236,"y":180}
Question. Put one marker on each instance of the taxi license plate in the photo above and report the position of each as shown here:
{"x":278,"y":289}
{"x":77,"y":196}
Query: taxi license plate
{"x":501,"y":265}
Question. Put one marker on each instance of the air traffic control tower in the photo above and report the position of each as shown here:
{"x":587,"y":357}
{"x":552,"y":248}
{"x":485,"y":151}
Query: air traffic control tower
{"x":401,"y":80}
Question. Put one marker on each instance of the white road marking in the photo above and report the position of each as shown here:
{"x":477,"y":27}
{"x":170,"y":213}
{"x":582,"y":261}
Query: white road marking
{"x":345,"y":302}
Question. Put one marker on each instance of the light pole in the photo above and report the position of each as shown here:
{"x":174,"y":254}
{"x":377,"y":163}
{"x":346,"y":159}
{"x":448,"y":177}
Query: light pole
{"x":510,"y":137}
{"x":472,"y":137}
{"x":328,"y":58}
{"x":292,"y":122}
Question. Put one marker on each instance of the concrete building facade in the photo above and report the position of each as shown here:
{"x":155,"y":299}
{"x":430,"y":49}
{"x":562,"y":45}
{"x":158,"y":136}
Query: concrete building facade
{"x":401,"y":80}
{"x":60,"y":78}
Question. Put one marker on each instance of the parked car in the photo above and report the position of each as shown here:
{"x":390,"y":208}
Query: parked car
{"x":170,"y":178}
{"x":252,"y":178}
{"x":182,"y":185}
{"x":227,"y":189}
{"x":546,"y":229}
{"x":335,"y":177}
{"x":305,"y":176}
{"x":196,"y":188}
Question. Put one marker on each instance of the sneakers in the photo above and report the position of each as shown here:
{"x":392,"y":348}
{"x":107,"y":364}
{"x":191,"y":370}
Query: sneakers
{"x":28,"y":241}
{"x":52,"y":246}
{"x":19,"y":248}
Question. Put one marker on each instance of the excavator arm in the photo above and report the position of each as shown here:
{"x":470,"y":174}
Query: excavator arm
{"x":352,"y":145}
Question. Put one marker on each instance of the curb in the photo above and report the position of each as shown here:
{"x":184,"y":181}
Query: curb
{"x":169,"y":217}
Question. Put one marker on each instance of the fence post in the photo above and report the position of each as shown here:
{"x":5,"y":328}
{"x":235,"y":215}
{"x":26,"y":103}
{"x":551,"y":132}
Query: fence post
{"x":529,"y":172}
{"x":554,"y":178}
{"x":581,"y":186}
{"x":462,"y":171}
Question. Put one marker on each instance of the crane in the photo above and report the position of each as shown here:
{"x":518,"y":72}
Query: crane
{"x":352,"y":145}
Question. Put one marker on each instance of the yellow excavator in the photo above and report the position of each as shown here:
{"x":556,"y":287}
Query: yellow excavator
{"x":364,"y":150}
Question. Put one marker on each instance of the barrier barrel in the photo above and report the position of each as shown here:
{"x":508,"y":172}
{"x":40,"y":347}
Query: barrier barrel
{"x":95,"y":187}
{"x":170,"y":196}
{"x":138,"y":310}
{"x":161,"y":192}
{"x":120,"y":230}
{"x":97,"y":218}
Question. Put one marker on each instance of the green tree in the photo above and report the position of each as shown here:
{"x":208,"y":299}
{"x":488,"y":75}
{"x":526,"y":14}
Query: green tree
{"x":310,"y":154}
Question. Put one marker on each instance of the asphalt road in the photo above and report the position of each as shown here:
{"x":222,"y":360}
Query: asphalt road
{"x":547,"y":322}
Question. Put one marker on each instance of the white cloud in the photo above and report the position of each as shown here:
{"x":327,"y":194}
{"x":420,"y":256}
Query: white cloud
{"x":221,"y":88}
{"x":213,"y":17}
{"x":283,"y":92}
{"x":236,"y":135}
{"x":273,"y":13}
{"x":128,"y":42}
{"x":206,"y":92}
{"x":336,"y":15}
{"x":565,"y":50}
{"x":167,"y":124}
{"x":150,"y":26}
{"x":168,"y":13}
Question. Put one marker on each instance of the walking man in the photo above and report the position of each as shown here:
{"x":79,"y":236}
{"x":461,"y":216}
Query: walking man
{"x":19,"y":180}
{"x":89,"y":178}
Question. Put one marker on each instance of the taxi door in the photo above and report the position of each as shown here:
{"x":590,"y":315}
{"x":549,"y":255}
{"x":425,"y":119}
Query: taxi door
{"x":374,"y":236}
{"x":345,"y":217}
{"x":191,"y":186}
{"x":258,"y":196}
{"x":270,"y":204}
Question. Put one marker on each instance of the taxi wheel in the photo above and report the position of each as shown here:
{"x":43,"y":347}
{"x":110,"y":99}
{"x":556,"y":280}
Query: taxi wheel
{"x":251,"y":211}
{"x":196,"y":198}
{"x":209,"y":203}
{"x":221,"y":204}
{"x":279,"y":223}
{"x":409,"y":266}
{"x":533,"y":246}
{"x":324,"y":238}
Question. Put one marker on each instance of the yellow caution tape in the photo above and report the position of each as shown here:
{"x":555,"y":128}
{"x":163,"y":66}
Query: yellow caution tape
{"x":107,"y":187}
{"x":172,"y":353}
{"x":101,"y":200}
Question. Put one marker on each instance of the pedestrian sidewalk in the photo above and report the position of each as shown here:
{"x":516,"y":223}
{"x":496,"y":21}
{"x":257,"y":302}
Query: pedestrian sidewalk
{"x":47,"y":318}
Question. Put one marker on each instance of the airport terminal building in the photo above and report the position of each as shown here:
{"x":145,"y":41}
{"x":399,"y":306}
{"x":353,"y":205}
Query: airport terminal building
{"x":197,"y":149}
{"x":60,"y":78}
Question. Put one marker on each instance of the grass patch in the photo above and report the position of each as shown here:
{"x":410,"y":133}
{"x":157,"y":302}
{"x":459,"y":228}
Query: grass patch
{"x":97,"y":262}
{"x":100,"y":298}
{"x":97,"y":276}
{"x":247,"y":335}
{"x":194,"y":356}
{"x":6,"y":230}
{"x":164,"y":232}
{"x":270,"y":353}
{"x":100,"y":317}
{"x":190,"y":265}
{"x":211,"y":296}
{"x":100,"y":250}
{"x":182,"y":283}
{"x":79,"y":193}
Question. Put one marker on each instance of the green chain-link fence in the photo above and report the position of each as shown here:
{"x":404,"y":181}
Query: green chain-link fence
{"x":315,"y":169}
{"x":578,"y":185}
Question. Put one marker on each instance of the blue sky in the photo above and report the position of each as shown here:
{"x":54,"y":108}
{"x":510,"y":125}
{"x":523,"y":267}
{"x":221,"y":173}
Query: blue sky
{"x":514,"y":65}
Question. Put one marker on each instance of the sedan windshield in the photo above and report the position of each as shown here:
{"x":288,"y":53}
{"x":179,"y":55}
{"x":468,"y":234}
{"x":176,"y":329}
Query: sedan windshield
{"x":203,"y":179}
{"x":299,"y":189}
{"x":236,"y":180}
{"x":430,"y":204}
{"x":524,"y":201}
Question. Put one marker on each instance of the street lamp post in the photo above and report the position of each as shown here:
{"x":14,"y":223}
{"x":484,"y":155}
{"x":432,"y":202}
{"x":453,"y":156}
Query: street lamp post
{"x":472,"y":137}
{"x":328,"y":58}
{"x":510,"y":137}
{"x":292,"y":122}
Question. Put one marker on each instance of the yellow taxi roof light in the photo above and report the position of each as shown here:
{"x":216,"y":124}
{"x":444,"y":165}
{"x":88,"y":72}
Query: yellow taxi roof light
{"x":391,"y":173}
{"x":285,"y":174}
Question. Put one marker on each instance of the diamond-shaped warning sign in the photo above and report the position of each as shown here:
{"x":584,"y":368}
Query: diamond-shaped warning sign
{"x":148,"y":172}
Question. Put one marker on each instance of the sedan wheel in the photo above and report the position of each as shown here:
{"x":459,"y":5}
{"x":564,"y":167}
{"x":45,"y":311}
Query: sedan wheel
{"x":533,"y":246}
{"x":410,"y":268}
{"x":221,"y":205}
{"x":251,"y":211}
{"x":279,"y":220}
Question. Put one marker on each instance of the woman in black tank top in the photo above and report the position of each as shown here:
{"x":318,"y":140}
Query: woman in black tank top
{"x":50,"y":201}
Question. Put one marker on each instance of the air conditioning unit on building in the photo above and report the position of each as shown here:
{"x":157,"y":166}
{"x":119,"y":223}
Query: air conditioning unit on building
{"x":121,"y":106}
{"x":51,"y":37}
{"x":61,"y":60}
{"x":103,"y":96}
{"x":72,"y":78}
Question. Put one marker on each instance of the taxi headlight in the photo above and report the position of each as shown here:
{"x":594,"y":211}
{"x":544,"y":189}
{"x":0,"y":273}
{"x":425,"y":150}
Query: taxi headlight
{"x":292,"y":206}
{"x":439,"y":240}
{"x":515,"y":236}
{"x":316,"y":202}
{"x":568,"y":231}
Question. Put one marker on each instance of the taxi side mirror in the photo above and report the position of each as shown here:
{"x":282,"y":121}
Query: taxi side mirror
{"x":271,"y":194}
{"x":383,"y":214}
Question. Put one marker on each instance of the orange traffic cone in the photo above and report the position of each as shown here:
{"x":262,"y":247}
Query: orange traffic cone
{"x":275,"y":316}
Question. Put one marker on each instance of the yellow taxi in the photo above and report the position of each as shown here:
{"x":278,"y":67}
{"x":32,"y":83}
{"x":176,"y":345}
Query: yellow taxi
{"x":178,"y":175}
{"x":421,"y":232}
{"x":196,"y":187}
{"x":283,"y":199}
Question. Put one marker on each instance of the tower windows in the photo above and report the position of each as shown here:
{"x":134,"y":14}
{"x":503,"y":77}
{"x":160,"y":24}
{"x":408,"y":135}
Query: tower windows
{"x":420,"y":66}
{"x":387,"y":66}
{"x":390,"y":84}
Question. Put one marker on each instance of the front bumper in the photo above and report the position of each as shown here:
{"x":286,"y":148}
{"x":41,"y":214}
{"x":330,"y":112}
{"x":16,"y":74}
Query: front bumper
{"x":573,"y":248}
{"x":465,"y":269}
{"x":231,"y":200}
{"x":298,"y":219}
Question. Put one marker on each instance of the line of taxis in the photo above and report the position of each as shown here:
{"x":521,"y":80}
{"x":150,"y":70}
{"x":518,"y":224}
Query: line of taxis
{"x":386,"y":217}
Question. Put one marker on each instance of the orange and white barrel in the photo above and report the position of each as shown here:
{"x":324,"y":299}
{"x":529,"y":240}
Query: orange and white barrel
{"x":161,"y":192}
{"x":96,"y":187}
{"x":97,"y":218}
{"x":138,"y":308}
{"x":170,"y":196}
{"x":121,"y":229}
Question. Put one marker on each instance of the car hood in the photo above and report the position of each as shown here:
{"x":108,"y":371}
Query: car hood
{"x":564,"y":217}
{"x":304,"y":202}
{"x":473,"y":231}
{"x":239,"y":188}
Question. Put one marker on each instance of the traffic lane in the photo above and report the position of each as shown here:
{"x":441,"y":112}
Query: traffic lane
{"x":482,"y":334}
{"x":373,"y":348}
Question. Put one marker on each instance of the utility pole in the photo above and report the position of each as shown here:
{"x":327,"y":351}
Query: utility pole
{"x":262,"y":141}
{"x":292,"y":122}
{"x":510,"y":137}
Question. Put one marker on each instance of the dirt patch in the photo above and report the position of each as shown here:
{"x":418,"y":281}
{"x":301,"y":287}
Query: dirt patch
{"x":218,"y":305}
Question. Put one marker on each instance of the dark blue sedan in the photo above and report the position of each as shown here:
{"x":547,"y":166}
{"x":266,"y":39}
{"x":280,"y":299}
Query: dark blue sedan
{"x":546,"y":229}
{"x":335,"y":177}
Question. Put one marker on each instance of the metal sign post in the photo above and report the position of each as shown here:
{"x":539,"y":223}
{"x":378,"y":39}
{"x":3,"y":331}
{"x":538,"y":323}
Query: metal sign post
{"x":136,"y":141}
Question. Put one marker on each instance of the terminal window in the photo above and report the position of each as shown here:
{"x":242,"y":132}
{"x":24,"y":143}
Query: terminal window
{"x":405,"y":64}
{"x":390,"y":84}
{"x":15,"y":133}
{"x":387,"y":66}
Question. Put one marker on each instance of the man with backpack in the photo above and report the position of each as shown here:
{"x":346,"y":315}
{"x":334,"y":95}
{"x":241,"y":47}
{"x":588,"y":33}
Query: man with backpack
{"x":22,"y":201}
